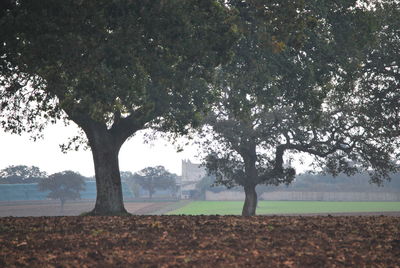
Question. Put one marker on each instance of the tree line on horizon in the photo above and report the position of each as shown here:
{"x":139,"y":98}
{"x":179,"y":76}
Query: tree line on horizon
{"x":67,"y":185}
{"x":149,"y":179}
{"x":63,"y":186}
{"x":259,"y":82}
{"x":308,"y":182}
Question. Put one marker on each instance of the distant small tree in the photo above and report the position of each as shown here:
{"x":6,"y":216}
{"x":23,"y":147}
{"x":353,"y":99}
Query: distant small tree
{"x":64,"y":185}
{"x":153,"y":178}
{"x":21,"y":174}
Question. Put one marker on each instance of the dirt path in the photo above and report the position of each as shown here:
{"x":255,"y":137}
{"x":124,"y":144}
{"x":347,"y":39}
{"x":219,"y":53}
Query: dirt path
{"x":162,"y":208}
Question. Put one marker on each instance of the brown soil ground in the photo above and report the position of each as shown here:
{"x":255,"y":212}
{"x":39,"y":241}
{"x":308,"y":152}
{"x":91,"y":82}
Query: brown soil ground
{"x":74,"y":208}
{"x":200,"y":241}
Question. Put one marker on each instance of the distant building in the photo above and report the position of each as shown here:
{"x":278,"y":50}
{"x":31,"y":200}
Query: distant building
{"x":191,"y":174}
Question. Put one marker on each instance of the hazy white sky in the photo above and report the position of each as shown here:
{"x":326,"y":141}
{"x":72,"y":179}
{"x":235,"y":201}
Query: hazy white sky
{"x":46,"y":154}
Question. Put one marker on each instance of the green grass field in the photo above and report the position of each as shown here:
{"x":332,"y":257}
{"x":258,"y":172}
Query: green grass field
{"x":284,"y":207}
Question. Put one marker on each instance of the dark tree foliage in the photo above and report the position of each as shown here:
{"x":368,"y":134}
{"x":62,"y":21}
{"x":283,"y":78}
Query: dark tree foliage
{"x":64,"y":186}
{"x":113,"y":68}
{"x":21,"y":174}
{"x":153,"y":178}
{"x":297,"y":90}
{"x":379,"y":82}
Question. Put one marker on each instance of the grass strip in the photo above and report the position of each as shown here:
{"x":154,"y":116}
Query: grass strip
{"x":284,"y":207}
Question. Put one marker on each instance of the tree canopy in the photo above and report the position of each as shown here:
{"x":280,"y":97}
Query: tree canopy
{"x":113,"y":68}
{"x":114,"y":62}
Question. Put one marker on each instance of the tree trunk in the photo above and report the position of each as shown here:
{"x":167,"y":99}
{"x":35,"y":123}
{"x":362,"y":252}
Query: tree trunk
{"x":62,"y":205}
{"x":105,"y":150}
{"x":250,"y":202}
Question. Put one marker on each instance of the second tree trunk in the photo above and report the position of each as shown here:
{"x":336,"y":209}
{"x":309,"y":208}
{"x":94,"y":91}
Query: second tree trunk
{"x":250,"y":202}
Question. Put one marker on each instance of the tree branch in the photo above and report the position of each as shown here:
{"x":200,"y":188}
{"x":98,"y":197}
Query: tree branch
{"x":123,"y":128}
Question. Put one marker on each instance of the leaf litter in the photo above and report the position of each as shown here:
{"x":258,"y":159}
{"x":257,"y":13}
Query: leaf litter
{"x":200,"y":241}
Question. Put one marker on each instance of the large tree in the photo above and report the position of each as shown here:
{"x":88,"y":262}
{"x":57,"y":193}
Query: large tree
{"x":297,"y":90}
{"x":113,"y":68}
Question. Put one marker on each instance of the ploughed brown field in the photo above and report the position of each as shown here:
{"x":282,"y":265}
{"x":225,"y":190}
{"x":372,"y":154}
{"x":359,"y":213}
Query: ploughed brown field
{"x":74,"y":208}
{"x":200,"y":241}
